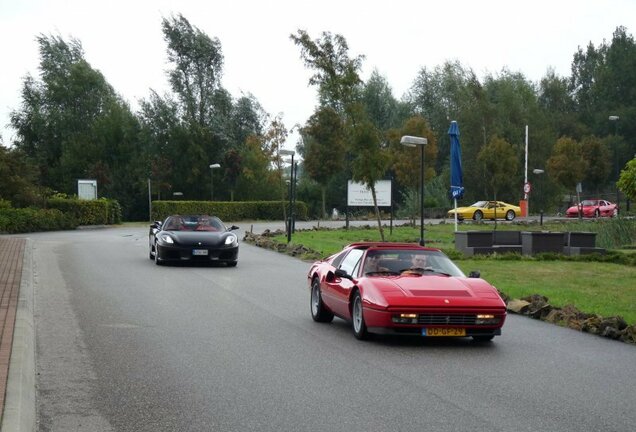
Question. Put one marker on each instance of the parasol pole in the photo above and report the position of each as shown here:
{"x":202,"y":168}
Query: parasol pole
{"x":455,"y":199}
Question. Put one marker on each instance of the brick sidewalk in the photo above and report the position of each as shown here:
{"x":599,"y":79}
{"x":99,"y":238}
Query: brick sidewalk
{"x":11,"y":255}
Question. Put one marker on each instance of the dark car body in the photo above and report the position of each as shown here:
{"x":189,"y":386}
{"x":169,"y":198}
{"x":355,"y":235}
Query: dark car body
{"x":593,"y":208}
{"x":438,"y":300}
{"x":192,"y":238}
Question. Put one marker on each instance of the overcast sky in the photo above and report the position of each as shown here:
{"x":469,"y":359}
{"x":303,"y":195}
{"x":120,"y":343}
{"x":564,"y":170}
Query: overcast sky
{"x":123,"y":40}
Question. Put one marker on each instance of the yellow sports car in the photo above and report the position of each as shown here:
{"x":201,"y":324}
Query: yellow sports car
{"x":486,"y":210}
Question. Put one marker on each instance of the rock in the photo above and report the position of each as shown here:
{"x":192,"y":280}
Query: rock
{"x":518,"y":306}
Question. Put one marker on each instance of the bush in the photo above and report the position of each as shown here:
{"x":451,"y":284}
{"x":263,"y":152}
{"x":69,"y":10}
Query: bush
{"x":89,"y":212}
{"x":229,"y":211}
{"x":24,"y":220}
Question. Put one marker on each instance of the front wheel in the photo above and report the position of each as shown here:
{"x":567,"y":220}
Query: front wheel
{"x":510,"y":215}
{"x":232,"y":263}
{"x":318,"y":311}
{"x":478,"y":215}
{"x":597,"y":213}
{"x":359,"y":326}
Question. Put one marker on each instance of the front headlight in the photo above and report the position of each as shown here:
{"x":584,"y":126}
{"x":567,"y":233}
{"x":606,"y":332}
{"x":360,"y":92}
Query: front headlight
{"x":166,"y":238}
{"x":230,"y":240}
{"x":486,"y":319}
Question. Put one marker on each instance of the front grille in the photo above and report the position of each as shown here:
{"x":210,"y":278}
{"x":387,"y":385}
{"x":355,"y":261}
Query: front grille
{"x":430,"y":319}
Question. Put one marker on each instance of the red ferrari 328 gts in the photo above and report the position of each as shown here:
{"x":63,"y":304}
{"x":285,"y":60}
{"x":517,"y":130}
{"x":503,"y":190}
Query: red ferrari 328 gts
{"x":405,"y":289}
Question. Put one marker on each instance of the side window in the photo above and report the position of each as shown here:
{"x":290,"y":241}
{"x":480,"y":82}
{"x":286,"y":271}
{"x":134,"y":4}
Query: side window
{"x":351,"y":261}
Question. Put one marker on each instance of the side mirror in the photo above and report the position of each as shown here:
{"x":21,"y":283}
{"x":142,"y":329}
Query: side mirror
{"x":156,"y":224}
{"x":474,"y":274}
{"x":233,"y":227}
{"x":343,"y":274}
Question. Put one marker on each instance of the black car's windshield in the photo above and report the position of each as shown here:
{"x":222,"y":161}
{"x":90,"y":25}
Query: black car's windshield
{"x":193,"y":223}
{"x":393,"y":262}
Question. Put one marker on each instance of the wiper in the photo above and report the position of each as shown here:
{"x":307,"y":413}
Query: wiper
{"x":382,"y":273}
{"x":421,"y":270}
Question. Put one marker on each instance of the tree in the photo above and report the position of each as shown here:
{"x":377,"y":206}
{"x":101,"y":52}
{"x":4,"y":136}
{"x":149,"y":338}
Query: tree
{"x":73,"y":125}
{"x":567,"y":165}
{"x":370,"y":162}
{"x":598,"y":157}
{"x":377,"y":98}
{"x":17,"y":179}
{"x":627,"y":180}
{"x":336,"y":74}
{"x":499,"y":164}
{"x":324,"y":148}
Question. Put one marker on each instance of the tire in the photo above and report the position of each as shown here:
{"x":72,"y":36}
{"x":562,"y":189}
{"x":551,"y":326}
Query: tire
{"x":478,"y":215}
{"x":318,"y":311}
{"x":510,"y":215}
{"x":232,"y":263}
{"x":597,"y":213}
{"x":357,"y":318}
{"x":483,"y":338}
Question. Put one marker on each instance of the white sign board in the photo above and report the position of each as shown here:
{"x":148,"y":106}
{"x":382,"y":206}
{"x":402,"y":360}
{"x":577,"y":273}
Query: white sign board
{"x":87,"y":189}
{"x":358,"y":195}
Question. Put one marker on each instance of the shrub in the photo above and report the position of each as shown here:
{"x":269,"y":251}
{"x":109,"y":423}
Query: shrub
{"x":228,"y":211}
{"x":24,"y":220}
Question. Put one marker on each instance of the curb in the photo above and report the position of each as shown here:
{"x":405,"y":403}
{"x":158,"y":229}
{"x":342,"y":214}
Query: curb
{"x":19,"y":408}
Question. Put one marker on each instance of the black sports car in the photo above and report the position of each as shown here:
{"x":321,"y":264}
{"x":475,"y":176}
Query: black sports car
{"x":193,"y":238}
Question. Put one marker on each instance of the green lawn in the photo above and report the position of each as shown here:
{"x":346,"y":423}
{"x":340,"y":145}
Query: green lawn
{"x":602,"y":288}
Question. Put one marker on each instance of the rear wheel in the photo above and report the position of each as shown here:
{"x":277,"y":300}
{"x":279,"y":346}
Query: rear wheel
{"x":478,"y":215}
{"x":510,"y":215}
{"x":318,"y":311}
{"x":359,"y":326}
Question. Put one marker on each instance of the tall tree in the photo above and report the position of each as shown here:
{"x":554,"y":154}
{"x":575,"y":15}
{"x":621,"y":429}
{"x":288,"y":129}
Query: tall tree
{"x":73,"y":125}
{"x":567,"y":165}
{"x":598,"y":158}
{"x":369,"y":161}
{"x":499,"y":164}
{"x":324,"y":149}
{"x":335,"y":73}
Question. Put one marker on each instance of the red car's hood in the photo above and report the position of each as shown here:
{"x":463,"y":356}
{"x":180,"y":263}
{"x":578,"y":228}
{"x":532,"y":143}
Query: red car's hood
{"x":438,"y":290}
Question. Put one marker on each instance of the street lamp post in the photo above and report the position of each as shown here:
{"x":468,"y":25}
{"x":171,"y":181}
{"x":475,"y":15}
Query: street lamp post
{"x":413,"y":141}
{"x":212,"y":168}
{"x":615,"y":118}
{"x":291,"y":190}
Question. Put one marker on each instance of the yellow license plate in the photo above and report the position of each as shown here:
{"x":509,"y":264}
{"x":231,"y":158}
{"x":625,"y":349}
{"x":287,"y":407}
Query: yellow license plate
{"x":443,"y":332}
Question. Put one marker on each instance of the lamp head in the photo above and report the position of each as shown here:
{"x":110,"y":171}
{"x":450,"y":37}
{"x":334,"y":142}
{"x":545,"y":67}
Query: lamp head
{"x":412,"y":141}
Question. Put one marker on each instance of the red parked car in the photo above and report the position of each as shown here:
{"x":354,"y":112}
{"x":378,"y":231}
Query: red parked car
{"x":405,"y":289}
{"x":593,"y":208}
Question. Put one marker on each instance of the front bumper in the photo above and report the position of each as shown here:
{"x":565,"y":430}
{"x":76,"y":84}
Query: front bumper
{"x":381,"y":321}
{"x":202,"y":254}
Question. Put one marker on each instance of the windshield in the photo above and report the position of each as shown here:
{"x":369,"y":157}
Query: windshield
{"x":480,"y":204}
{"x":395,"y":262}
{"x":193,"y":223}
{"x":588,"y":203}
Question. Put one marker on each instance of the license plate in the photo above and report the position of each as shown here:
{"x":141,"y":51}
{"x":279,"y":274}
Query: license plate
{"x":443,"y":332}
{"x":199,"y":252}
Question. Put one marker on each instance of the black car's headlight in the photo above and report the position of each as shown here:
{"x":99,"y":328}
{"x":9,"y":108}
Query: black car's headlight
{"x":166,"y":238}
{"x":231,"y":240}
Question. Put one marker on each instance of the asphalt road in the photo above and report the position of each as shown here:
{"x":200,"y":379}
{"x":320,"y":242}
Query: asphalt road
{"x":124,"y":345}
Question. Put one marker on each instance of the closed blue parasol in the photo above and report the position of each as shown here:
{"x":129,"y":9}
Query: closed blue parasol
{"x":457,"y":178}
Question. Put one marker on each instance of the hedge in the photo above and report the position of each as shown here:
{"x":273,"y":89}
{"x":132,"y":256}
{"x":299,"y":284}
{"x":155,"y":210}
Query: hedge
{"x":229,"y":210}
{"x":23,"y":220}
{"x":102,"y":211}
